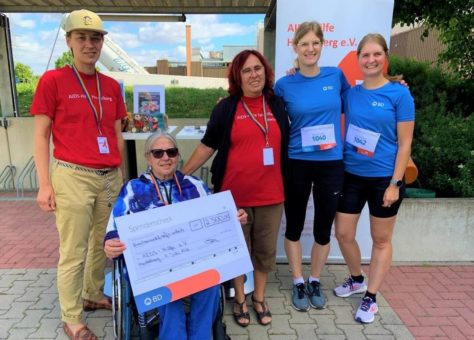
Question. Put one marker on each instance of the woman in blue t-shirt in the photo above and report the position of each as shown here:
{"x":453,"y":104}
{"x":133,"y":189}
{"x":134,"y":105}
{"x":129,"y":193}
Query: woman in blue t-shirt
{"x":312,"y":98}
{"x":380,"y":118}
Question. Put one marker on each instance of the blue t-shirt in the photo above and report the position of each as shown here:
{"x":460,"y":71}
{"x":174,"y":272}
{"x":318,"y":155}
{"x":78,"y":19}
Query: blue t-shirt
{"x":310,"y":102}
{"x":377,"y":110}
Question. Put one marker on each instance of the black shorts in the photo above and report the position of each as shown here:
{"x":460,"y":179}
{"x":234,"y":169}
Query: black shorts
{"x":358,"y":190}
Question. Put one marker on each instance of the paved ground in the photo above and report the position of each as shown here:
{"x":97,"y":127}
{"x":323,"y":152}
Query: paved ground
{"x":422,"y":302}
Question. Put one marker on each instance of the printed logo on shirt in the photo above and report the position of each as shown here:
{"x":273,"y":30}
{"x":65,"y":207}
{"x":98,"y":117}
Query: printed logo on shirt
{"x":328,"y":88}
{"x":83,"y":96}
{"x":378,"y":104}
{"x":270,"y":116}
{"x":77,"y":96}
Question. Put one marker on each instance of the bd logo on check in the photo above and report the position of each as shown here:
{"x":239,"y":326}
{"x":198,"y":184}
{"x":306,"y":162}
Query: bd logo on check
{"x":154,"y":298}
{"x":177,"y":290}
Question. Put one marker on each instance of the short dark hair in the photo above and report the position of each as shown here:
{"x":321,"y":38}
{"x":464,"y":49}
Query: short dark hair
{"x":235,"y":79}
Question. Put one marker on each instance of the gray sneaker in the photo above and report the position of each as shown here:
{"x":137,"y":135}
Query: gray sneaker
{"x":299,"y":300}
{"x":367,"y":310}
{"x":350,"y":287}
{"x":317,"y":299}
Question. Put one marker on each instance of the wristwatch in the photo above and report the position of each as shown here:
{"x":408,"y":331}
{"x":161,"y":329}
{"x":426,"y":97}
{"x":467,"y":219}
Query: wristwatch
{"x":396,"y":182}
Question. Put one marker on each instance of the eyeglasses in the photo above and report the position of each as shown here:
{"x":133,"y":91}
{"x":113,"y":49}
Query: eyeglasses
{"x":248,"y":70}
{"x":306,"y":45}
{"x":158,"y":153}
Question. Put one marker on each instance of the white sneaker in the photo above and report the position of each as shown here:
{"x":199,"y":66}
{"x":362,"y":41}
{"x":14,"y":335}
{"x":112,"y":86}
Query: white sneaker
{"x":367,"y":310}
{"x":350,"y":287}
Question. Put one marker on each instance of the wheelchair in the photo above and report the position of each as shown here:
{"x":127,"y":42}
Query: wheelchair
{"x":129,"y":324}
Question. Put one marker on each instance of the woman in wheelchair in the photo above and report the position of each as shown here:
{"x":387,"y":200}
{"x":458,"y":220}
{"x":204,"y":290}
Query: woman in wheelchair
{"x":160,"y":185}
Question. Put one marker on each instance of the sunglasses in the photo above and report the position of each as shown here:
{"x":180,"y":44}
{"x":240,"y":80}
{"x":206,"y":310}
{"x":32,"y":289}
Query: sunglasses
{"x":158,"y":153}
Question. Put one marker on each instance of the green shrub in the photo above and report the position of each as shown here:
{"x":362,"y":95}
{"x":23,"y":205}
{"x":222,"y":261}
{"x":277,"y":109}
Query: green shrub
{"x":25,"y":93}
{"x":180,"y":102}
{"x":443,"y":146}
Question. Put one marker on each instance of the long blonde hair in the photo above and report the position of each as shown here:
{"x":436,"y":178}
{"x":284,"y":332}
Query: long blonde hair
{"x":380,"y":40}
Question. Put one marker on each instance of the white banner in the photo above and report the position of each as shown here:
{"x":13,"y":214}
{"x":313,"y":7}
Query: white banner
{"x":307,"y":239}
{"x":344,"y":23}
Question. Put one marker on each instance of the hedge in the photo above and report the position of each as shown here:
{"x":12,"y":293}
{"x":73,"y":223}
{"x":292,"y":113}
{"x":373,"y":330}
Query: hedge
{"x":443,"y":146}
{"x":180,"y":102}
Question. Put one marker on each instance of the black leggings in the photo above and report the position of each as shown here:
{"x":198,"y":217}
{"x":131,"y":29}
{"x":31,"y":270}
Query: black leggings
{"x":326,"y":178}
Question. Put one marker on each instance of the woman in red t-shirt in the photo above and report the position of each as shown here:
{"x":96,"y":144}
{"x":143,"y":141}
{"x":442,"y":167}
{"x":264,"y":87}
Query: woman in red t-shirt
{"x":249,"y":130}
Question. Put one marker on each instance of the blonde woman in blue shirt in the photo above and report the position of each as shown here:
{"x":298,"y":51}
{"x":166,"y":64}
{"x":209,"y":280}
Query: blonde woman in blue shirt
{"x":312,"y":97}
{"x":380,"y":118}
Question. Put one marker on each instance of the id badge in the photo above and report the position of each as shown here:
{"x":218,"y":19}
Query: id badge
{"x":103,"y":145}
{"x":268,"y":156}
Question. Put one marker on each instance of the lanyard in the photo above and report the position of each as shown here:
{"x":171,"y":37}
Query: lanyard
{"x":262,"y":128}
{"x":168,"y":193}
{"x":98,"y":115}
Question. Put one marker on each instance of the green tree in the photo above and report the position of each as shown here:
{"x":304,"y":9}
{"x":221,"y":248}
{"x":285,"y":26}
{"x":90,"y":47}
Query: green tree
{"x":64,"y":59}
{"x":24,"y":73}
{"x":455,"y":21}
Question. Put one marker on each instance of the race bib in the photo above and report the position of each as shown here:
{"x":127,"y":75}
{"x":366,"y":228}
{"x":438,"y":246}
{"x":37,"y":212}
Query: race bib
{"x":320,"y":136}
{"x":365,"y":141}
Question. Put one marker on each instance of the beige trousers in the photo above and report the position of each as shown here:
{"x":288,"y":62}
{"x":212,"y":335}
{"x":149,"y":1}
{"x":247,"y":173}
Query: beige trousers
{"x":82,"y":212}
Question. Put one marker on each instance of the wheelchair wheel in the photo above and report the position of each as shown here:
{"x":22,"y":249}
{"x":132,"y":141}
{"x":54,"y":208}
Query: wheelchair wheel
{"x":222,"y":301}
{"x":128,"y":324}
{"x":219,"y":328}
{"x":121,"y":302}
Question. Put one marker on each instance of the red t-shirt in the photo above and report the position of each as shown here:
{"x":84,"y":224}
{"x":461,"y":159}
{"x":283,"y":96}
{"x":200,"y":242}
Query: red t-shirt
{"x":252,"y":183}
{"x":60,"y":97}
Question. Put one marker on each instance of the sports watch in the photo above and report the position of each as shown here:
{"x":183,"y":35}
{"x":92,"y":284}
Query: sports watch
{"x":396,"y":182}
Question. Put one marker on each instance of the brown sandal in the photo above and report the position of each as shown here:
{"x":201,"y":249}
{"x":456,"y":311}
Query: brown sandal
{"x":83,"y":333}
{"x":241,"y":314}
{"x":264,"y":313}
{"x":89,"y":305}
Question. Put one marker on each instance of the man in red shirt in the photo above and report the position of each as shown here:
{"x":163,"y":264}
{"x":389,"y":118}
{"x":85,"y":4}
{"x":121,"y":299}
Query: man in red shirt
{"x":82,"y":110}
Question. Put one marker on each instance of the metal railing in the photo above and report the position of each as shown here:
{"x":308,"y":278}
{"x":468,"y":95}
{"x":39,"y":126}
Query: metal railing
{"x":204,"y":174}
{"x":7,"y":178}
{"x":28,"y":173}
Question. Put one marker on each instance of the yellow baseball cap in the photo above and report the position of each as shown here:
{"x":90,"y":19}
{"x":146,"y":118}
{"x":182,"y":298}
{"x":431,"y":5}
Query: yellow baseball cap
{"x":83,"y":19}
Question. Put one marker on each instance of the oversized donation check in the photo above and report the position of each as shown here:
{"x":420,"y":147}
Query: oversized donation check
{"x":180,"y":249}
